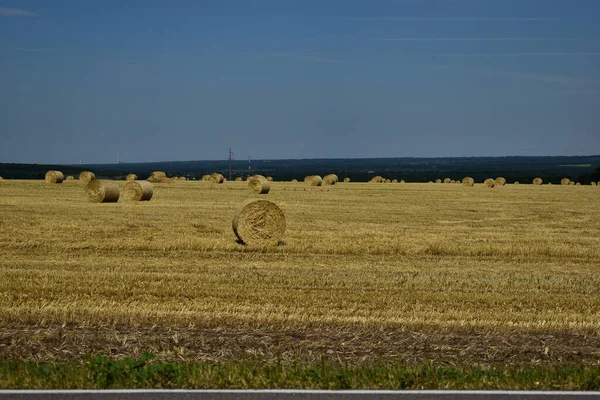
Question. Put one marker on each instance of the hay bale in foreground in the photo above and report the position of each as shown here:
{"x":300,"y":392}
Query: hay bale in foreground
{"x":447,"y":180}
{"x":313,"y":180}
{"x":54,"y":177}
{"x":217,"y":178}
{"x":259,"y":222}
{"x":98,"y":191}
{"x":500,"y":181}
{"x":538,"y":181}
{"x":330,"y":179}
{"x":565,"y":181}
{"x":489,"y":183}
{"x":259,"y":185}
{"x":70,"y":178}
{"x":346,"y":180}
{"x":468,"y":181}
{"x":132,"y":177}
{"x":86,"y":176}
{"x":137,"y":191}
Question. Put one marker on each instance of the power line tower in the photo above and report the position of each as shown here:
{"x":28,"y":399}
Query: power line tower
{"x":230,"y":160}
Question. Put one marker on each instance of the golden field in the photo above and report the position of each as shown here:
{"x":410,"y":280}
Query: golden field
{"x":401,"y":272}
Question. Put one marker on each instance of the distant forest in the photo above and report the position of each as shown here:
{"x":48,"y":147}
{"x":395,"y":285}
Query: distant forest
{"x":582,"y":169}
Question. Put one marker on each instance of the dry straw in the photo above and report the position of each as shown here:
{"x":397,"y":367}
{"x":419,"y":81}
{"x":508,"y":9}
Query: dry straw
{"x":468,"y":181}
{"x":538,"y":181}
{"x":593,"y":183}
{"x":238,"y":179}
{"x":206,"y":178}
{"x":489,"y":183}
{"x":217,"y":178}
{"x":86,"y":176}
{"x":259,"y":185}
{"x":516,"y":183}
{"x":70,"y":178}
{"x":313,"y":180}
{"x":270,"y":178}
{"x":402,"y":181}
{"x":157,"y":177}
{"x":54,"y":177}
{"x":394,"y":180}
{"x":98,"y":191}
{"x":132,"y":177}
{"x":137,"y":191}
{"x":578,"y":184}
{"x":346,"y":180}
{"x":330,"y":179}
{"x":388,"y":181}
{"x":447,"y":180}
{"x":565,"y":181}
{"x":259,"y":223}
{"x":377,"y":179}
{"x":294,"y":180}
{"x":500,"y":181}
{"x":438,"y":181}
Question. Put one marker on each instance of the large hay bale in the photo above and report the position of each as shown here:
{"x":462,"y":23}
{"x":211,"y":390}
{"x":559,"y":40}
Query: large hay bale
{"x":70,"y":178}
{"x":313,"y":180}
{"x":132,"y":177}
{"x":500,"y":181}
{"x":489,"y":183}
{"x":217,"y":178}
{"x":468,"y":181}
{"x":447,"y":180}
{"x":259,"y":185}
{"x":330,"y":179}
{"x":377,"y":179}
{"x":259,"y":222}
{"x":538,"y":181}
{"x":86,"y":176}
{"x":565,"y":181}
{"x":54,"y":177}
{"x":238,"y":179}
{"x":98,"y":191}
{"x":157,"y":177}
{"x":137,"y":191}
{"x":346,"y":180}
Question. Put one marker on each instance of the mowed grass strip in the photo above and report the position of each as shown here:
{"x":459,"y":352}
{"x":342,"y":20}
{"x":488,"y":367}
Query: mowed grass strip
{"x":519,"y":264}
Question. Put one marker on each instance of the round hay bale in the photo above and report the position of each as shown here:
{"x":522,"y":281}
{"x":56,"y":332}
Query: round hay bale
{"x":593,"y":183}
{"x":377,"y":179}
{"x":452,"y":181}
{"x":1,"y":178}
{"x":402,"y":181}
{"x":330,"y":179}
{"x":217,"y":178}
{"x":468,"y":181}
{"x":238,"y":179}
{"x":565,"y":181}
{"x":98,"y":191}
{"x":86,"y":176}
{"x":447,"y":180}
{"x":270,"y":178}
{"x":259,"y":185}
{"x":538,"y":181}
{"x":549,"y":183}
{"x":577,"y":184}
{"x":132,"y":177}
{"x":438,"y":181}
{"x":346,"y":180}
{"x":394,"y":180}
{"x":294,"y":180}
{"x":314,"y":180}
{"x":430,"y":182}
{"x":54,"y":177}
{"x":500,"y":181}
{"x":516,"y":183}
{"x":70,"y":178}
{"x":259,"y":222}
{"x":137,"y":191}
{"x":206,"y":178}
{"x":388,"y":181}
{"x":157,"y":177}
{"x":182,"y":178}
{"x":489,"y":183}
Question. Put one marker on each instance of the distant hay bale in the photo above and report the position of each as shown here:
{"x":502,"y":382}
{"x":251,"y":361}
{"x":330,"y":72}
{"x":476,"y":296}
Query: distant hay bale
{"x":394,"y":180}
{"x":489,"y":183}
{"x":54,"y":177}
{"x":157,"y":177}
{"x":206,"y":178}
{"x":549,"y":183}
{"x":438,"y":181}
{"x":137,"y":191}
{"x":86,"y":176}
{"x":538,"y":181}
{"x":593,"y":183}
{"x":98,"y":191}
{"x":259,"y":185}
{"x":238,"y":179}
{"x":565,"y":181}
{"x":500,"y":181}
{"x":377,"y":179}
{"x":270,"y":178}
{"x":468,"y":181}
{"x":259,"y":222}
{"x":402,"y":181}
{"x":430,"y":182}
{"x":330,"y":179}
{"x":1,"y":178}
{"x":388,"y":181}
{"x":132,"y":177}
{"x":571,"y":183}
{"x":346,"y":180}
{"x":294,"y":181}
{"x":313,"y":180}
{"x":70,"y":178}
{"x":577,"y":184}
{"x":452,"y":181}
{"x":516,"y":183}
{"x":447,"y":180}
{"x":217,"y":178}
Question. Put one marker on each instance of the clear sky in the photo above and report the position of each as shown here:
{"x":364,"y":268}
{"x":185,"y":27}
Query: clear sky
{"x":155,"y":80}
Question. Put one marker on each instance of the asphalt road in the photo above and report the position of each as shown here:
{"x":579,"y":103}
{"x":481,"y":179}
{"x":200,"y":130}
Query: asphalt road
{"x":288,"y":395}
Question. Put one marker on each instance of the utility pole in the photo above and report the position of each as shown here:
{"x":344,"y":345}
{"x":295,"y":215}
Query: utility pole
{"x":80,"y":161}
{"x":249,"y":166}
{"x":230,"y":159}
{"x":117,"y":159}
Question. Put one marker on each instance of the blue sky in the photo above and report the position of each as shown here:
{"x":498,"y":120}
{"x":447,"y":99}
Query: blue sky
{"x":185,"y":80}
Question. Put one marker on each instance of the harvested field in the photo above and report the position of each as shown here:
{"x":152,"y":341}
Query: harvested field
{"x":440,"y":273}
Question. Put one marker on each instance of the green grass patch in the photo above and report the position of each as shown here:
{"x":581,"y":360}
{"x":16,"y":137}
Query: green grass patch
{"x":144,"y":372}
